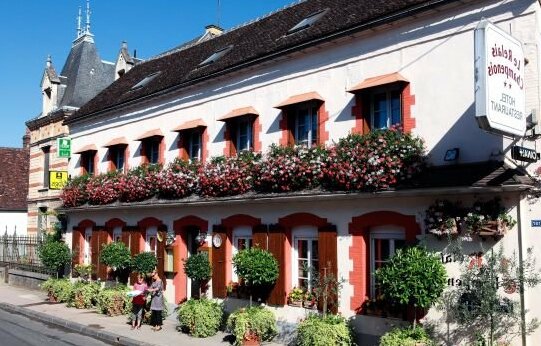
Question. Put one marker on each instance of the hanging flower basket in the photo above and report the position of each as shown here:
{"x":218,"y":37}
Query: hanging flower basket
{"x":448,"y":228}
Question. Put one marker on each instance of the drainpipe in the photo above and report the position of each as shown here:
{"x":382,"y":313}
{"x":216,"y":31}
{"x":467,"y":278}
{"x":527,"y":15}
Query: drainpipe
{"x":521,"y":273}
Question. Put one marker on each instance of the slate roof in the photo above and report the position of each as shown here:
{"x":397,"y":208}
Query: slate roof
{"x":253,"y":43}
{"x":13,"y":178}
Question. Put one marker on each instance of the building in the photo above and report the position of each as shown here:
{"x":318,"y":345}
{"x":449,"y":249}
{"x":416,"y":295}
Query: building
{"x":82,"y":77}
{"x":311,"y":73}
{"x":13,"y":190}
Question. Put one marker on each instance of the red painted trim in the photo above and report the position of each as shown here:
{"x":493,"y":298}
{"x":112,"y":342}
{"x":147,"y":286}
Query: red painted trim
{"x":323,"y":117}
{"x":229,"y":148}
{"x":161,"y":151}
{"x":359,"y":251}
{"x":204,"y":145}
{"x":113,"y":223}
{"x":257,"y":129}
{"x":180,"y":227}
{"x":284,"y":128}
{"x":229,"y":223}
{"x":86,"y":223}
{"x":408,"y":100}
{"x":149,"y":222}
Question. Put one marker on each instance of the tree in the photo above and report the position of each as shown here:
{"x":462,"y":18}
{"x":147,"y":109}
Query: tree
{"x":197,"y":267}
{"x":257,"y":267}
{"x":413,"y":276}
{"x":144,"y":262}
{"x":54,"y":254}
{"x":117,"y":256}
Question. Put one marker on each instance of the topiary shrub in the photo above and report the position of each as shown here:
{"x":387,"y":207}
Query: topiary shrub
{"x":257,"y":267}
{"x":406,"y":337}
{"x":58,"y":290}
{"x":413,"y":276}
{"x":197,"y":267}
{"x":117,"y":256}
{"x":144,"y":262}
{"x":54,"y":254}
{"x":252,"y":324}
{"x":318,"y":330}
{"x":84,"y":295}
{"x":200,"y":317}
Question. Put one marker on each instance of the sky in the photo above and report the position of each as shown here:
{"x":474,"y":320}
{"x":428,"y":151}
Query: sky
{"x":30,"y":30}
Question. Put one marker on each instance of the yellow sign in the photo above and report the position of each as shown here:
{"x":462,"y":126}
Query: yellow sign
{"x":57,"y":179}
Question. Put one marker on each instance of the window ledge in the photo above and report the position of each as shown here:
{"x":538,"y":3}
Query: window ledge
{"x":45,"y":189}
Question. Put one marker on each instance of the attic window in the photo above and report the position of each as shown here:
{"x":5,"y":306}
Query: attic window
{"x":145,"y":80}
{"x":308,"y":21}
{"x":215,"y":56}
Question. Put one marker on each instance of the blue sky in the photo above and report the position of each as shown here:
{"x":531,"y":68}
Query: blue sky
{"x":32,"y":29}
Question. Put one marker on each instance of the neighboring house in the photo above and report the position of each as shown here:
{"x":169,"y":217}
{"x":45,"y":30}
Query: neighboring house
{"x":82,"y":77}
{"x":13,"y":190}
{"x":310,"y":74}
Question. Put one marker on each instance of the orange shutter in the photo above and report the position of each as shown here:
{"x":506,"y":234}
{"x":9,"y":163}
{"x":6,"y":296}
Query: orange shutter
{"x":103,"y":240}
{"x":160,"y":253}
{"x":276,"y":246}
{"x":259,"y":236}
{"x":76,"y":245}
{"x":94,"y":256}
{"x":218,"y":257}
{"x":327,"y":248}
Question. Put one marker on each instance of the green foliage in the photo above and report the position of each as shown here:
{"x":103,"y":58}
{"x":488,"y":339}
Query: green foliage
{"x":115,"y":255}
{"x":54,"y":254}
{"x":256,"y":266}
{"x":406,"y":337}
{"x":113,"y":301}
{"x":413,"y":276}
{"x":84,"y":295}
{"x":201,"y":318}
{"x":254,"y":323}
{"x":326,"y":288}
{"x":84,"y":271}
{"x":58,"y":290}
{"x":144,"y":262}
{"x":318,"y":330}
{"x":197,"y":267}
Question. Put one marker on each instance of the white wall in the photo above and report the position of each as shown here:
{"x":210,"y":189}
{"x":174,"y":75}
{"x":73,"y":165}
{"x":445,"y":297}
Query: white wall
{"x":13,"y":221}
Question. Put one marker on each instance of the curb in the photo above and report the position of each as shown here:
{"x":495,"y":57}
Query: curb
{"x":101,"y":335}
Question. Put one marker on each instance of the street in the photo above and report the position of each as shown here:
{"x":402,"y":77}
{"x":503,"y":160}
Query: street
{"x":18,"y":330}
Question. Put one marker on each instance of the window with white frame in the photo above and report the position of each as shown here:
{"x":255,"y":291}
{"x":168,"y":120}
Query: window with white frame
{"x":383,"y":244}
{"x":305,"y":123}
{"x":385,"y":108}
{"x":194,"y":144}
{"x":305,"y":256}
{"x":88,"y":246}
{"x":151,"y":241}
{"x":243,"y":140}
{"x":117,"y":234}
{"x":242,"y":240}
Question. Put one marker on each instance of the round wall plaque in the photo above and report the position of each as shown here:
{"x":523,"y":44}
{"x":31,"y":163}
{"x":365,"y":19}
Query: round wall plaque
{"x":217,"y":240}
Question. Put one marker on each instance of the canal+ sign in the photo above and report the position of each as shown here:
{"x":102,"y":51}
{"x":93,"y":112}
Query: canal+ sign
{"x":499,"y":81}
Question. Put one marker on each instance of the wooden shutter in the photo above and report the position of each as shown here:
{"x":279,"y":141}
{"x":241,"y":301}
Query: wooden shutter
{"x":94,"y":256}
{"x":76,"y":245}
{"x":160,"y":253}
{"x":219,"y":289}
{"x":103,"y":240}
{"x":126,"y":236}
{"x":135,"y":247}
{"x":259,"y":236}
{"x":290,"y":115}
{"x":327,"y":248}
{"x":277,"y":241}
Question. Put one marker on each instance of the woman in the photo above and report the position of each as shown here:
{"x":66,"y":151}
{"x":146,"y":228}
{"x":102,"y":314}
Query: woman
{"x":138,"y":303}
{"x":156,"y":304}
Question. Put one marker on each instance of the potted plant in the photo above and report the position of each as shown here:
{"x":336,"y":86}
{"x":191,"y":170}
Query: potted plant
{"x":258,"y":268}
{"x":295,"y":297}
{"x":83,"y":271}
{"x":322,"y":330}
{"x":416,"y":336}
{"x":117,"y":256}
{"x":197,"y":267}
{"x":84,"y":295}
{"x":200,"y":317}
{"x":54,"y":255}
{"x":144,"y":262}
{"x":252,"y":325}
{"x":413,"y":276}
{"x":441,"y":218}
{"x":113,"y":301}
{"x":488,"y":218}
{"x":309,"y":299}
{"x":58,"y":290}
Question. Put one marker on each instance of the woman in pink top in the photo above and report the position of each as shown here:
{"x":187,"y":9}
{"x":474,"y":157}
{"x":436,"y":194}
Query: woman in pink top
{"x":138,"y":302}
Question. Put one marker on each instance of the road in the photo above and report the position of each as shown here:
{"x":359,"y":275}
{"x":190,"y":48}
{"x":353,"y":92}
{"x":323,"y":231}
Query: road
{"x":18,"y":330}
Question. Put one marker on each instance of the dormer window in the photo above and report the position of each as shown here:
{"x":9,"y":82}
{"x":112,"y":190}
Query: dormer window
{"x":144,"y":82}
{"x":215,"y":56}
{"x":308,"y":21}
{"x":48,"y":92}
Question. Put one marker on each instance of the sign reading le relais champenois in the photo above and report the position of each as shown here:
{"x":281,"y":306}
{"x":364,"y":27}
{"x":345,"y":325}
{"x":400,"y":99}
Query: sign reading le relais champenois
{"x":499,"y":81}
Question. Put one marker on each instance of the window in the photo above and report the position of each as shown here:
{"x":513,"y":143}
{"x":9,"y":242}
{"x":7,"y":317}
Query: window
{"x":116,"y":155}
{"x":151,"y":243}
{"x":87,"y":162}
{"x":151,"y":149}
{"x":304,"y":123}
{"x":88,"y":246}
{"x":242,"y":240}
{"x":305,"y":256}
{"x":192,"y":142}
{"x":46,"y":163}
{"x":117,"y":234}
{"x":215,"y":56}
{"x":383,"y":244}
{"x":244,"y":139}
{"x":385,"y":108}
{"x":308,"y":21}
{"x":142,"y":83}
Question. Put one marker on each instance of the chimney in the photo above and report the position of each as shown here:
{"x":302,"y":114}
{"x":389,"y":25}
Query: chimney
{"x":26,"y":140}
{"x":214,"y":30}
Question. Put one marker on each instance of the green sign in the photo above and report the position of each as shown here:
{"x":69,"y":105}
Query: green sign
{"x":64,"y":147}
{"x":57,"y":179}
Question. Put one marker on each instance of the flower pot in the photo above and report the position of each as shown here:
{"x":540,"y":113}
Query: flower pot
{"x":492,"y":229}
{"x":309,"y":304}
{"x":442,"y":231}
{"x":295,"y":303}
{"x":251,"y":342}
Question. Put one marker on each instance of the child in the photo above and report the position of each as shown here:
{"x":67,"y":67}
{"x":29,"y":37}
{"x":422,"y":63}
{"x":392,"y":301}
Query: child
{"x":138,"y":302}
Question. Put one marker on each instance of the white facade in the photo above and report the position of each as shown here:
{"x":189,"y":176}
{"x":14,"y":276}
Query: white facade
{"x":13,"y":221}
{"x":434,"y":52}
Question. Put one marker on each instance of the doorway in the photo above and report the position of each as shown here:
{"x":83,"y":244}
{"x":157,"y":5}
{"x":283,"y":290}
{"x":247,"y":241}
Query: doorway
{"x":192,"y":288}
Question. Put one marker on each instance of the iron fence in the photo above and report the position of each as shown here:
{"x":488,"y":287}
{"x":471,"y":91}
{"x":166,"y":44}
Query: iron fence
{"x":21,"y":252}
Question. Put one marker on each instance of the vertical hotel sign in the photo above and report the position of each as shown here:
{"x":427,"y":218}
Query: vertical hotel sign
{"x":499,"y":81}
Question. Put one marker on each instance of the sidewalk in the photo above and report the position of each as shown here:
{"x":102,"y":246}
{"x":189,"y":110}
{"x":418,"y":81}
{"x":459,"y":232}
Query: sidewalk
{"x":116,"y":330}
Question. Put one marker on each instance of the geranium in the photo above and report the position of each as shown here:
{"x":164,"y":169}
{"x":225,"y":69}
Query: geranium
{"x":103,"y":188}
{"x":139,"y":184}
{"x":74,"y":194}
{"x":285,"y":169}
{"x":442,"y":216}
{"x":228,"y":176}
{"x":178,"y":180}
{"x":488,"y":218}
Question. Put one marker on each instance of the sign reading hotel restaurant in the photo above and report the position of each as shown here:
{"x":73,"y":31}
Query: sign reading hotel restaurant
{"x":499,"y":81}
{"x":57,"y":179}
{"x":64,"y":147}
